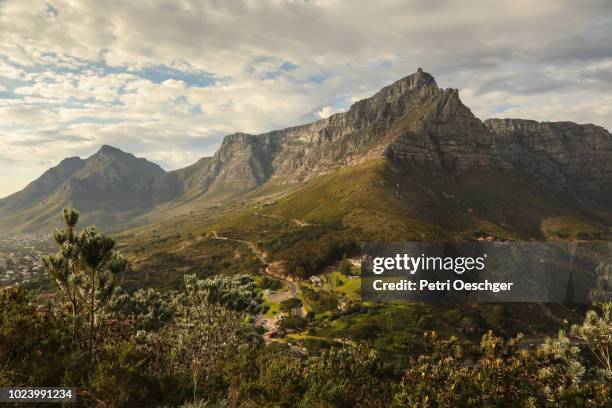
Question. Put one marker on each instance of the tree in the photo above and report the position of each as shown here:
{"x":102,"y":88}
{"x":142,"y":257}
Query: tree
{"x":290,"y":305}
{"x":345,"y":266}
{"x":85,"y":271}
{"x":596,"y":332}
{"x":295,"y":323}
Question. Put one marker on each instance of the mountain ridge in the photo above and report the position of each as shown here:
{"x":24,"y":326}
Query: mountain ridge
{"x":108,"y":187}
{"x":412,"y":121}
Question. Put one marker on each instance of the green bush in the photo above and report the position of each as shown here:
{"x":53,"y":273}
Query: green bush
{"x":33,"y":347}
{"x":295,"y":323}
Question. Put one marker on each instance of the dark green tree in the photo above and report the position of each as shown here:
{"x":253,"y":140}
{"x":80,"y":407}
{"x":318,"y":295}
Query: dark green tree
{"x":345,"y":266}
{"x":290,"y":305}
{"x":85,"y":270}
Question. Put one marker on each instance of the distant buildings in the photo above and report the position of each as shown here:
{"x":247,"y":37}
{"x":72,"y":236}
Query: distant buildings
{"x":20,"y":257}
{"x":316,"y":281}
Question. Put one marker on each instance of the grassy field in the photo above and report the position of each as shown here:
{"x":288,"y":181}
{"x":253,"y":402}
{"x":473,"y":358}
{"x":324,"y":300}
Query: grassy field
{"x":346,"y":287}
{"x":273,"y":308}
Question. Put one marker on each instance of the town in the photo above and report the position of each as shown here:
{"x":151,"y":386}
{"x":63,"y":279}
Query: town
{"x":20,"y":258}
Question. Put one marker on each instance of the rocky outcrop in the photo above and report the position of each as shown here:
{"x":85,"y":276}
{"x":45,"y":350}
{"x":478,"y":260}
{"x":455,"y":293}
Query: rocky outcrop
{"x":442,"y":135}
{"x":413,"y":121}
{"x":560,"y":155}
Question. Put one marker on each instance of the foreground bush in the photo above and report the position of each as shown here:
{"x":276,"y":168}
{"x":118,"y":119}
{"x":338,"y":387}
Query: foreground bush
{"x":499,"y":374}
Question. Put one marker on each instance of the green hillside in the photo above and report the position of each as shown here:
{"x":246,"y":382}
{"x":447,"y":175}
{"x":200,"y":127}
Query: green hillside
{"x":332,"y":214}
{"x":306,"y":229}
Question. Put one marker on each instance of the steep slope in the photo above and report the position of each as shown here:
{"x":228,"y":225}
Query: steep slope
{"x":418,"y":124}
{"x":564,"y":156}
{"x":109,"y":187}
{"x":43,"y":186}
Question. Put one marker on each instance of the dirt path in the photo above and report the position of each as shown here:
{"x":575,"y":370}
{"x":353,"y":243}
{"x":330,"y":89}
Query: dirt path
{"x":273,"y":270}
{"x":297,"y":222}
{"x":300,"y":223}
{"x":276,"y":217}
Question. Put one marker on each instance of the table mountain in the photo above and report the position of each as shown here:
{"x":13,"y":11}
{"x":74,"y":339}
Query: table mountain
{"x":412,"y":122}
{"x":415,"y":122}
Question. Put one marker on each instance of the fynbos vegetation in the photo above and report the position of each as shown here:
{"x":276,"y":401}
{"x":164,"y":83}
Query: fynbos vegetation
{"x":85,"y":270}
{"x":201,"y":346}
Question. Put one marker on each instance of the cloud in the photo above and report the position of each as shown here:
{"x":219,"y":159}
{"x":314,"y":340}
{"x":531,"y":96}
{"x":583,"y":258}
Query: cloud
{"x":326,"y":111}
{"x":168,"y":79}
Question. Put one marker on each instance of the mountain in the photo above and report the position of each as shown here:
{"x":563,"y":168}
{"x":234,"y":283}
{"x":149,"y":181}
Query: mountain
{"x":563,"y":156}
{"x":109,"y":187}
{"x":410,"y":163}
{"x":424,"y":130}
{"x":414,"y":122}
{"x":365,"y":131}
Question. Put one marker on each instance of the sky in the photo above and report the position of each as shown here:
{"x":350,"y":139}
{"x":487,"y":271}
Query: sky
{"x":167,"y":79}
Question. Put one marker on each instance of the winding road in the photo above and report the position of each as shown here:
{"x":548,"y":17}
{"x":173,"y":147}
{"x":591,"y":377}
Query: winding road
{"x":272,"y":270}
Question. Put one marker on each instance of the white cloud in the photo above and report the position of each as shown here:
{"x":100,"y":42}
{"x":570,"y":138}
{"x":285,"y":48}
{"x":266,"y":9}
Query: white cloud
{"x":326,"y":111}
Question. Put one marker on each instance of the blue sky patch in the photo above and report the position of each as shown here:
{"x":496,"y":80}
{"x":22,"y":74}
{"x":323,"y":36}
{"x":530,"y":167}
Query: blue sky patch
{"x":161,"y":73}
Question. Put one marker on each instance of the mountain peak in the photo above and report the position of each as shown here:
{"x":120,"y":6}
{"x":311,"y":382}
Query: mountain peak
{"x":418,"y":80}
{"x":70,"y":162}
{"x":416,"y":85}
{"x":111,"y":153}
{"x":107,"y":149}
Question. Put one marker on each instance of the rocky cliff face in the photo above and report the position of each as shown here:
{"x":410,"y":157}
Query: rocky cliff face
{"x":384,"y":124}
{"x":561,"y":155}
{"x":414,"y":122}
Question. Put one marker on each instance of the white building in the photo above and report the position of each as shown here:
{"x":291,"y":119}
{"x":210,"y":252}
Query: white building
{"x":315,"y":280}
